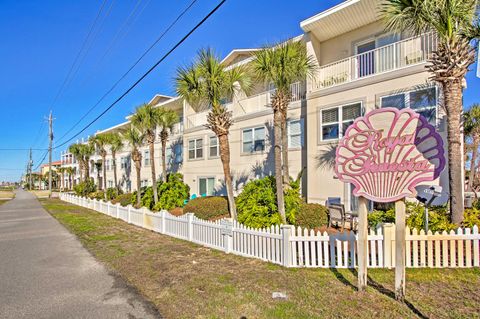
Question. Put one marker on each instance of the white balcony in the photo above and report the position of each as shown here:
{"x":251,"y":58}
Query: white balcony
{"x":248,"y":105}
{"x":395,"y":56}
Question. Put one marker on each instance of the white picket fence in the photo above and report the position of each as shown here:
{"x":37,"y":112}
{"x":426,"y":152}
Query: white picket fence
{"x":296,"y":247}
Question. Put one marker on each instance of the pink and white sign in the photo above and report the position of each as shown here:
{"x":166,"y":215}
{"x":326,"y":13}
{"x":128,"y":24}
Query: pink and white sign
{"x":387,"y":152}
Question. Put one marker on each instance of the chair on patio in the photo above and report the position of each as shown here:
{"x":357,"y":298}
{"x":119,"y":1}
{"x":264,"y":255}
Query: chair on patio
{"x":336,"y":212}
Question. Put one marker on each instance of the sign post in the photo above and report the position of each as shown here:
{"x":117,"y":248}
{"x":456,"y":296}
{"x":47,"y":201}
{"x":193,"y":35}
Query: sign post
{"x":385,"y":154}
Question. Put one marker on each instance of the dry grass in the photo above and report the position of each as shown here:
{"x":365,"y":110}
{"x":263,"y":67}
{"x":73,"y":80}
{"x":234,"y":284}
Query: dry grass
{"x":40,"y":193}
{"x":6,"y":194}
{"x":185,"y":280}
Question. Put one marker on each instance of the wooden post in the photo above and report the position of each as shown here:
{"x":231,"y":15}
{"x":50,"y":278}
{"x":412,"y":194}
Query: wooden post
{"x":400,"y":250}
{"x":362,"y":256}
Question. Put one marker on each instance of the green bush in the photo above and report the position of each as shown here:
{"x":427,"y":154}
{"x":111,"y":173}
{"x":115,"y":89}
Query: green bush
{"x":257,"y":204}
{"x":85,"y":188}
{"x":212,"y":207}
{"x":113,"y":192}
{"x":147,"y":198}
{"x":311,"y":216}
{"x":471,"y":217}
{"x":98,"y":195}
{"x":172,"y":193}
{"x":438,"y":217}
{"x":379,"y":216}
{"x":123,"y":199}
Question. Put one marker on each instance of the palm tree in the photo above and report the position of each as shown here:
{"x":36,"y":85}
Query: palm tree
{"x":116,"y":144}
{"x":61,"y":171}
{"x":207,"y":81}
{"x":146,"y":119}
{"x":472,"y":130}
{"x":456,"y":23}
{"x":86,"y":150}
{"x":75,"y":150}
{"x":100,"y":142}
{"x":282,"y":65}
{"x":70,"y":171}
{"x":135,"y":139}
{"x":168,"y":118}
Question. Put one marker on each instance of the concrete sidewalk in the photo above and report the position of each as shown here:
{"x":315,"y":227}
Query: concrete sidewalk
{"x":46,"y":273}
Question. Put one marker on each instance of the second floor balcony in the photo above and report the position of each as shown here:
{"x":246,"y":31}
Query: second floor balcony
{"x":387,"y":58}
{"x":248,"y":105}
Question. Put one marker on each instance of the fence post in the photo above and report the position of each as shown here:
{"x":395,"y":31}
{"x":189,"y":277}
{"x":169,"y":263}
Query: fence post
{"x":108,"y":208}
{"x":388,"y":231}
{"x":117,"y":209}
{"x":128,"y":213}
{"x":227,"y":234}
{"x":162,"y":214}
{"x":286,"y":231}
{"x":94,"y":204}
{"x":190,"y":226}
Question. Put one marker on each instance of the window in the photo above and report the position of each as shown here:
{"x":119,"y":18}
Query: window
{"x":146,"y":158}
{"x":335,"y":121}
{"x":423,"y":101}
{"x":295,"y":133}
{"x":253,"y":140}
{"x":195,"y":149}
{"x":206,"y":186}
{"x":124,"y":162}
{"x":144,"y":183}
{"x":110,"y":184}
{"x":213,"y":150}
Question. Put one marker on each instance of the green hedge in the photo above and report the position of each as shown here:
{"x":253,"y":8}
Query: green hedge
{"x":312,"y":216}
{"x":123,"y":199}
{"x":83,"y":189}
{"x":208,"y":208}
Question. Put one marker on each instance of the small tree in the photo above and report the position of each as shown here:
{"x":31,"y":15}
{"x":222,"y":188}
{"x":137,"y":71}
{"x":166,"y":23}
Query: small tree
{"x":146,"y":119}
{"x":135,"y":140}
{"x":116,"y":144}
{"x":100,"y":142}
{"x":282,"y":65}
{"x":472,"y":130}
{"x":206,"y":82}
{"x":168,"y":118}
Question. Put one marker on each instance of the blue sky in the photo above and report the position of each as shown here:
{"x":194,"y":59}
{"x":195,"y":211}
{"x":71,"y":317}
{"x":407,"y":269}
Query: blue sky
{"x":40,"y":40}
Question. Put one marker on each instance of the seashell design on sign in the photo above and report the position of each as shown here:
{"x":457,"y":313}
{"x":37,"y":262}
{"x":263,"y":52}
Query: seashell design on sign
{"x":387,"y":152}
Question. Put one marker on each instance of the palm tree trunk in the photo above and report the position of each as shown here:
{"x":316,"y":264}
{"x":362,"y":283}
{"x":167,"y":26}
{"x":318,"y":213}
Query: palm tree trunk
{"x":80,"y":168}
{"x":70,"y":181}
{"x":114,"y":166}
{"x":225,"y":158}
{"x":104,"y":169}
{"x":472,"y":175}
{"x":286,"y":173}
{"x":87,"y":169}
{"x":152,"y":165}
{"x":277,"y":131}
{"x":453,"y":105}
{"x":164,"y":161}
{"x":137,"y":169}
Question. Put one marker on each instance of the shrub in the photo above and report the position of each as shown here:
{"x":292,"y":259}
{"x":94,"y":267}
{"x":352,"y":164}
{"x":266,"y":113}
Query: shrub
{"x":257,"y":204}
{"x":172,"y":193}
{"x":311,"y":216}
{"x":113,"y":192}
{"x":471,"y":217}
{"x":85,"y":188}
{"x":379,"y":216}
{"x":147,"y":198}
{"x":98,"y":195}
{"x":208,"y":208}
{"x":123,"y":199}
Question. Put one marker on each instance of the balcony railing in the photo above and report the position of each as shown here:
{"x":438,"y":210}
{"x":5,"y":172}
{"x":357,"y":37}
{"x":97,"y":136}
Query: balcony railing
{"x":248,"y":105}
{"x":387,"y":58}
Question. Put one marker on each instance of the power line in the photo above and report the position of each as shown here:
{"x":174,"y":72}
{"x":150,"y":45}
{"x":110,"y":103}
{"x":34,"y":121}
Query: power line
{"x":92,"y":27}
{"x":22,"y":149}
{"x":41,"y":161}
{"x":129,"y":70}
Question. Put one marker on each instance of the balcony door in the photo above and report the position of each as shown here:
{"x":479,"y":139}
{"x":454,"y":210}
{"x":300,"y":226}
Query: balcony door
{"x":376,"y":55}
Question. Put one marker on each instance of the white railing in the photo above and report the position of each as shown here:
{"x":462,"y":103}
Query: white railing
{"x":391,"y":57}
{"x":247,"y":105}
{"x":297,"y":247}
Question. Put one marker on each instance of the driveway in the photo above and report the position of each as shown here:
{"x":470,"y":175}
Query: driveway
{"x":45,"y":272}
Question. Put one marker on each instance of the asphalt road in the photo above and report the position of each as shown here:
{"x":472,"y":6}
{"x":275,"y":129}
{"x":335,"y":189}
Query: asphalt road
{"x":45,"y":272}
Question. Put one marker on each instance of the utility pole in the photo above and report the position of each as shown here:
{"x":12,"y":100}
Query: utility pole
{"x":50,"y":136}
{"x":30,"y":163}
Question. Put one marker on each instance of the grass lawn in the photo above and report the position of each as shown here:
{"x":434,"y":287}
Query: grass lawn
{"x":6,"y":195}
{"x":185,"y":280}
{"x":40,"y":193}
